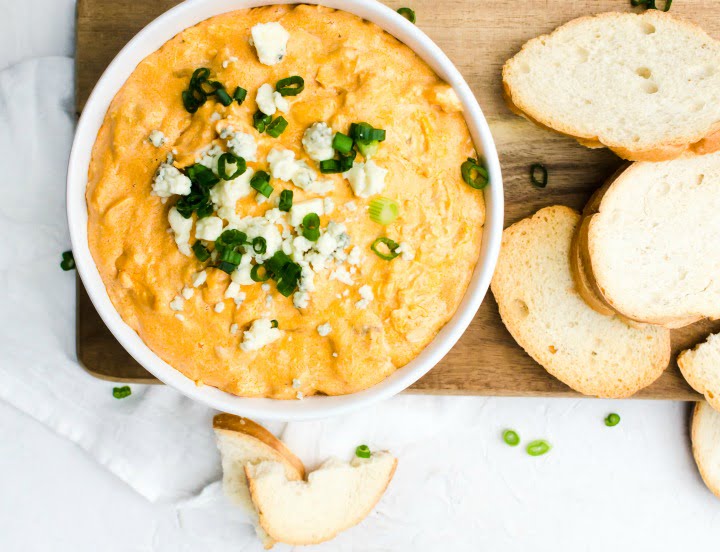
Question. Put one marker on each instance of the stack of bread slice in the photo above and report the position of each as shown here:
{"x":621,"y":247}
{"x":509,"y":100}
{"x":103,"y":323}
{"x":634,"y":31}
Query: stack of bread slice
{"x":264,"y":477}
{"x":593,"y":297}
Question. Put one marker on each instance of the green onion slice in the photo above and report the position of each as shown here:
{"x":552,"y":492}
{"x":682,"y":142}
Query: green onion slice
{"x":346,"y":160}
{"x":261,"y":183}
{"x":408,"y":14}
{"x":193,"y":99}
{"x":538,"y":448}
{"x":223,"y":97}
{"x":227,"y":267}
{"x":291,"y":86}
{"x":383,"y":210}
{"x":286,"y":200}
{"x":368,"y":149}
{"x":612,"y":420}
{"x":650,"y":4}
{"x":538,"y":169}
{"x":202,"y":176}
{"x":391,"y":246}
{"x":239,"y":95}
{"x":330,"y":166}
{"x":285,"y":272}
{"x":231,"y":238}
{"x":342,"y":143}
{"x":201,"y":252}
{"x":229,"y":255}
{"x":274,"y":323}
{"x":277,"y":127}
{"x":232,"y":159}
{"x":363,"y":451}
{"x":205,"y":210}
{"x":122,"y":392}
{"x":259,"y":245}
{"x":311,"y":227}
{"x":474,"y":174}
{"x":68,"y":261}
{"x":511,"y":437}
{"x":364,"y":132}
{"x":255,"y":275}
{"x":261,"y":121}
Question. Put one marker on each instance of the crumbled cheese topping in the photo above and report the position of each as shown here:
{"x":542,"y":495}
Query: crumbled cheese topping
{"x":240,"y":298}
{"x":187,"y":292}
{"x":270,"y":101}
{"x":283,"y":166}
{"x":234,"y":329}
{"x":260,"y":334}
{"x":366,"y":179}
{"x":324,"y":329}
{"x":157,"y":138}
{"x":241,"y":144}
{"x":208,"y":228}
{"x":270,"y":40}
{"x":408,"y":253}
{"x":341,"y":274}
{"x":296,"y":383}
{"x":226,"y":193}
{"x":299,"y":210}
{"x":367,"y":296}
{"x":210,"y":158}
{"x":329,"y":205}
{"x":180,"y":317}
{"x":219,"y":307}
{"x":355,"y":257}
{"x":301,"y":299}
{"x":317,"y":141}
{"x":228,"y":61}
{"x":177,"y":303}
{"x":232,"y":291}
{"x":169,"y":180}
{"x":351,"y":206}
{"x":200,"y":278}
{"x":181,"y":228}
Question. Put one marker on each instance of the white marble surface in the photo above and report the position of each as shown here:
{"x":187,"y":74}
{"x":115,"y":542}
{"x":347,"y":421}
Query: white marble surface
{"x":629,"y":487}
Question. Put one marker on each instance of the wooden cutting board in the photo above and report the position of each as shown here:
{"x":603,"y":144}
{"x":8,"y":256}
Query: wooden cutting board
{"x":478,"y":37}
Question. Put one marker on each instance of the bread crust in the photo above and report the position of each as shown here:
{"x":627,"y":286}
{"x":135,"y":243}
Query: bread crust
{"x":244,"y":426}
{"x":690,"y":375}
{"x":709,"y":143}
{"x":698,"y":412}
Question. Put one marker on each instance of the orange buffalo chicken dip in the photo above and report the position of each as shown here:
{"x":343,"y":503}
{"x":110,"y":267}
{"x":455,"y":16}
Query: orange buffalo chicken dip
{"x":283,"y":201}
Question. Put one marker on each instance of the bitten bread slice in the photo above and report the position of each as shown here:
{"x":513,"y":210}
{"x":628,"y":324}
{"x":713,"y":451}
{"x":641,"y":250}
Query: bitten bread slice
{"x":242,"y":442}
{"x":592,"y":353}
{"x":701,"y":368}
{"x":648,"y":244}
{"x":645,"y":85}
{"x":335,"y":497}
{"x":705,"y":436}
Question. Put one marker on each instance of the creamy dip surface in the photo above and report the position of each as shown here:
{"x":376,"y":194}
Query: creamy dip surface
{"x":354,"y":317}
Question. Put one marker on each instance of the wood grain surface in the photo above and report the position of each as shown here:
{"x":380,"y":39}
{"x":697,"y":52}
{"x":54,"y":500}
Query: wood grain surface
{"x":478,"y":37}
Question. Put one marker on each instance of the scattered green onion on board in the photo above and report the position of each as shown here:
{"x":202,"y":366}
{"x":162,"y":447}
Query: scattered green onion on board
{"x":68,"y":261}
{"x":651,"y":4}
{"x":231,"y":159}
{"x":391,"y":246}
{"x":291,"y":86}
{"x":612,"y":420}
{"x":363,"y":451}
{"x":538,"y":448}
{"x":121,"y":392}
{"x":261,"y":183}
{"x":383,"y":210}
{"x":286,"y":200}
{"x":277,"y":127}
{"x":511,"y":437}
{"x":201,"y":252}
{"x":538,"y":175}
{"x":408,"y":14}
{"x":239,"y":95}
{"x":474,"y":174}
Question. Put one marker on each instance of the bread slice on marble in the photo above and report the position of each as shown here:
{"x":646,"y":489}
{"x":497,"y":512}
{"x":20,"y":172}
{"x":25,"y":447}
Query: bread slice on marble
{"x":705,"y":437}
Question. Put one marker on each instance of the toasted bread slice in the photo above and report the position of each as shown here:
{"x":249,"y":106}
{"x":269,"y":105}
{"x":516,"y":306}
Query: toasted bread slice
{"x":242,"y":442}
{"x":647,"y":245}
{"x":594,"y":354}
{"x":705,"y":437}
{"x":335,"y":497}
{"x":645,"y":85}
{"x":701,"y":368}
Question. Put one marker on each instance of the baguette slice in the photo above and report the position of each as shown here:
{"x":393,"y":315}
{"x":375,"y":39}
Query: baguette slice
{"x":335,"y":497}
{"x":701,"y":369}
{"x":645,"y":85}
{"x":594,"y":354}
{"x":647,"y":246}
{"x":242,"y":442}
{"x":705,"y":437}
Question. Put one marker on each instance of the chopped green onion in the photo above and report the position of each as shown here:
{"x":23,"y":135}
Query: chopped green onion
{"x":363,"y":451}
{"x":286,"y":200}
{"x":330,"y":166}
{"x":239,"y":95}
{"x":259,"y":245}
{"x":199,"y":76}
{"x":612,"y":420}
{"x":311,"y":227}
{"x":201,"y":252}
{"x":474,"y":174}
{"x":274,"y":323}
{"x":255,"y":275}
{"x":368,"y":149}
{"x":122,"y":392}
{"x":342,"y":143}
{"x":277,"y":127}
{"x":231,"y":238}
{"x":229,"y":255}
{"x":232,"y":159}
{"x":261,"y":183}
{"x":291,"y":86}
{"x":543,"y":180}
{"x":383,"y":210}
{"x":650,"y":4}
{"x":202,"y":176}
{"x":205,"y":210}
{"x":195,"y":200}
{"x":227,"y":267}
{"x":511,"y":437}
{"x":538,"y":448}
{"x":285,"y":272}
{"x":391,"y":245}
{"x":408,"y":14}
{"x":363,"y":132}
{"x":193,"y":99}
{"x":68,"y":261}
{"x":223,"y":97}
{"x":346,"y":160}
{"x":261,"y":121}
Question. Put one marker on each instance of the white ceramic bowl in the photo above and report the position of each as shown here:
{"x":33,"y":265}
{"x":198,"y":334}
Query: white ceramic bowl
{"x":153,"y":37}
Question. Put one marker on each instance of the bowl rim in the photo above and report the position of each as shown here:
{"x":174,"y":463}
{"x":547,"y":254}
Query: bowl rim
{"x":151,"y":38}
